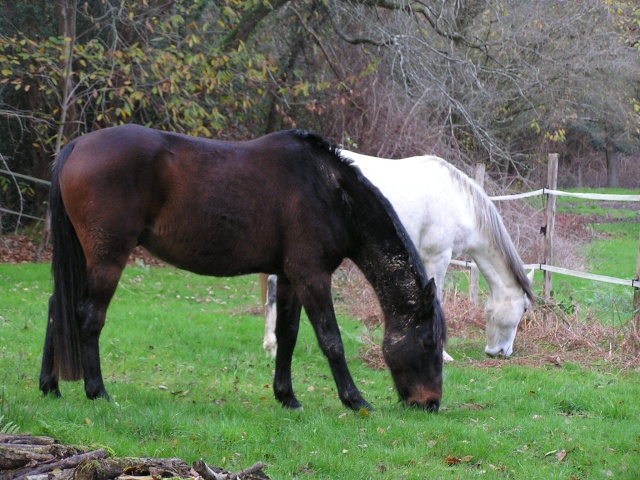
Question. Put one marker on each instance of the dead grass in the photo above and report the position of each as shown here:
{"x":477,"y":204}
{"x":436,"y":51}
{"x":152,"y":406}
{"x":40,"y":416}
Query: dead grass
{"x":547,"y":335}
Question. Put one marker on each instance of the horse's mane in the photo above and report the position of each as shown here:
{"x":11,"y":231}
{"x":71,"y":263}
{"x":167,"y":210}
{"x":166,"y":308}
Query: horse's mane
{"x":335,"y":150}
{"x":490,"y":221}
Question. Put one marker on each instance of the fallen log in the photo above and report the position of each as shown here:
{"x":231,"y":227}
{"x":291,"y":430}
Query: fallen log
{"x":26,"y":439}
{"x":15,"y":455}
{"x":65,"y":463}
{"x":43,"y":458}
{"x":106,"y":468}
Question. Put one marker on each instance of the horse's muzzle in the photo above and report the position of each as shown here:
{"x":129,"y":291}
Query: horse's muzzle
{"x":500,"y":350}
{"x":425,"y":399}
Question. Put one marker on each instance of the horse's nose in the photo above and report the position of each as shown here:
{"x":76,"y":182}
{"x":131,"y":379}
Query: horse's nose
{"x":425,"y":398}
{"x":430,"y":405}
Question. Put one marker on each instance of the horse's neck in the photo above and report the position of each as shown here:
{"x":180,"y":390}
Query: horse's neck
{"x":494,"y":251}
{"x":497,"y":272}
{"x":387,"y":258}
{"x":392,"y":277}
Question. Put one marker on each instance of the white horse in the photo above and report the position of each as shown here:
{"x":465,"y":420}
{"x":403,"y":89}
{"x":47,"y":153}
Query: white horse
{"x":447,"y":214}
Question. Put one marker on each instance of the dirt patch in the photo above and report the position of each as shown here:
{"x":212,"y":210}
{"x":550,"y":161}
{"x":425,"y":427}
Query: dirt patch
{"x":546,"y":336}
{"x":24,"y":249}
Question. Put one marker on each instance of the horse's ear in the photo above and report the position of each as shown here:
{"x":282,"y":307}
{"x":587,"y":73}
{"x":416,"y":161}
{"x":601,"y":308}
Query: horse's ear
{"x":530,"y":275}
{"x":430,"y":293}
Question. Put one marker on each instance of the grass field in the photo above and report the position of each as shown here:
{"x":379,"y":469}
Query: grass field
{"x":613,"y":252}
{"x":182,"y":360}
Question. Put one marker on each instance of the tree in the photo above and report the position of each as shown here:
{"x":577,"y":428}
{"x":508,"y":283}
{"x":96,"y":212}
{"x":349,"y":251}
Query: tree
{"x":505,"y":76}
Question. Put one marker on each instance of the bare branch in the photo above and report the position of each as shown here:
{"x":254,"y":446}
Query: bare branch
{"x":249,"y":22}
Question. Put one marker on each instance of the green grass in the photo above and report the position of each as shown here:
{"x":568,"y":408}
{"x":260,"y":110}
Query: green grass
{"x":182,"y":360}
{"x":613,"y":253}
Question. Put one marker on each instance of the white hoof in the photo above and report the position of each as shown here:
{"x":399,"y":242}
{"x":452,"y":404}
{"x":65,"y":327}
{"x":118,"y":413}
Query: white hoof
{"x":446,"y":357}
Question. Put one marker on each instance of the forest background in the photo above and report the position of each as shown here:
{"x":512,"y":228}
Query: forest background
{"x":499,"y":82}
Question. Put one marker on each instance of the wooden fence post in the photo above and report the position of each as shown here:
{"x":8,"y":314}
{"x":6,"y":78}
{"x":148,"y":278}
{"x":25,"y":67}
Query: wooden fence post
{"x":473,"y":271}
{"x":552,"y":183}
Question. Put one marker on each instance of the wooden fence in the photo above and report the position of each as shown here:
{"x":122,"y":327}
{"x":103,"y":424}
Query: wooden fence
{"x":546,"y":265}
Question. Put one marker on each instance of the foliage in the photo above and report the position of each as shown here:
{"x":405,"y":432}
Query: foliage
{"x":165,"y":77}
{"x":8,"y":427}
{"x":487,"y":80}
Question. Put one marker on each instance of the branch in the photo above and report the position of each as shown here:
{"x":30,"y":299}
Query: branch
{"x":429,"y":16}
{"x":249,"y":22}
{"x":356,"y":40}
{"x":208,"y":474}
{"x":313,"y":34}
{"x":66,"y":463}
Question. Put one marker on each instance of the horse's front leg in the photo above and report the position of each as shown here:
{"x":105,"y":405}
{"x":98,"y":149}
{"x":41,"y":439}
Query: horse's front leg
{"x":315,"y":295}
{"x":436,"y":265}
{"x":286,"y":333}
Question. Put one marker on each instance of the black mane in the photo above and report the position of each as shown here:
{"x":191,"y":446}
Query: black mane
{"x":318,"y":141}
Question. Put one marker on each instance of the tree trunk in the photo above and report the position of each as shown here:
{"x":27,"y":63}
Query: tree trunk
{"x":248,"y":23}
{"x":66,"y":12}
{"x":611,"y":160}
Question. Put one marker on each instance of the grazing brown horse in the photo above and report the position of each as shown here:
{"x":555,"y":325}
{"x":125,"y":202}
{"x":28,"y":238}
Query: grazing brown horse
{"x":286,"y":203}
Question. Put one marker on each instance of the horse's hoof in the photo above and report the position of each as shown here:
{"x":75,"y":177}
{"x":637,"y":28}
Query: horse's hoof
{"x":358,"y":405}
{"x":446,"y":358}
{"x":289,"y":401}
{"x":53,"y":392}
{"x":50,"y":389}
{"x":291,"y":404}
{"x":97,"y":395}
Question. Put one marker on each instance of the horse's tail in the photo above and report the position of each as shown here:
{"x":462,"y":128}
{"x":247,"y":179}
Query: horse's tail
{"x":69,"y":271}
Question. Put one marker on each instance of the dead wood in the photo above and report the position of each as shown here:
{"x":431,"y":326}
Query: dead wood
{"x":12,"y":458}
{"x":208,"y":473}
{"x":25,"y":439}
{"x":43,"y":458}
{"x":65,"y":463}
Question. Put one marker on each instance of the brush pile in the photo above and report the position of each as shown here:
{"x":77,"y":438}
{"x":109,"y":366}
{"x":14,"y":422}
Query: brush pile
{"x":44,"y":458}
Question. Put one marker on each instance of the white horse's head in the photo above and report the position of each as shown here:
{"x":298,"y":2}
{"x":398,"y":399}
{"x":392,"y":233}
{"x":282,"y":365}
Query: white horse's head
{"x":502,"y":316}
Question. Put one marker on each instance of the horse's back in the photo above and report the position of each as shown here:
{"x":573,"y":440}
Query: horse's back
{"x":431,"y":204}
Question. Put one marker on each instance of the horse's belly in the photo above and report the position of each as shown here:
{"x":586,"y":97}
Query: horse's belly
{"x":205,"y":254}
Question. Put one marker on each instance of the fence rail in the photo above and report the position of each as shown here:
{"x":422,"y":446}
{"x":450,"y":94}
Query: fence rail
{"x":565,"y":271}
{"x":560,"y":193}
{"x":551,"y":193}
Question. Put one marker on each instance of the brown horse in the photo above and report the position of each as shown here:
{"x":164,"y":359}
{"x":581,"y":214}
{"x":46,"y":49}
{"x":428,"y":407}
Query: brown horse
{"x":286,"y":203}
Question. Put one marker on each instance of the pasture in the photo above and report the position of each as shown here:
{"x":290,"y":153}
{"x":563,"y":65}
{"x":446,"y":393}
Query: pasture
{"x":183,"y":362}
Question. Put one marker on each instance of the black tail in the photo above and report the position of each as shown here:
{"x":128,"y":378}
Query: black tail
{"x":69,"y":270}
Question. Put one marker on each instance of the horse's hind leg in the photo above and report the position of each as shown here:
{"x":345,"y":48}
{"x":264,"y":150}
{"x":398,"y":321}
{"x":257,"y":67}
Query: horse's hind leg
{"x":49,"y":378}
{"x":102,"y":282}
{"x":269,"y":342}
